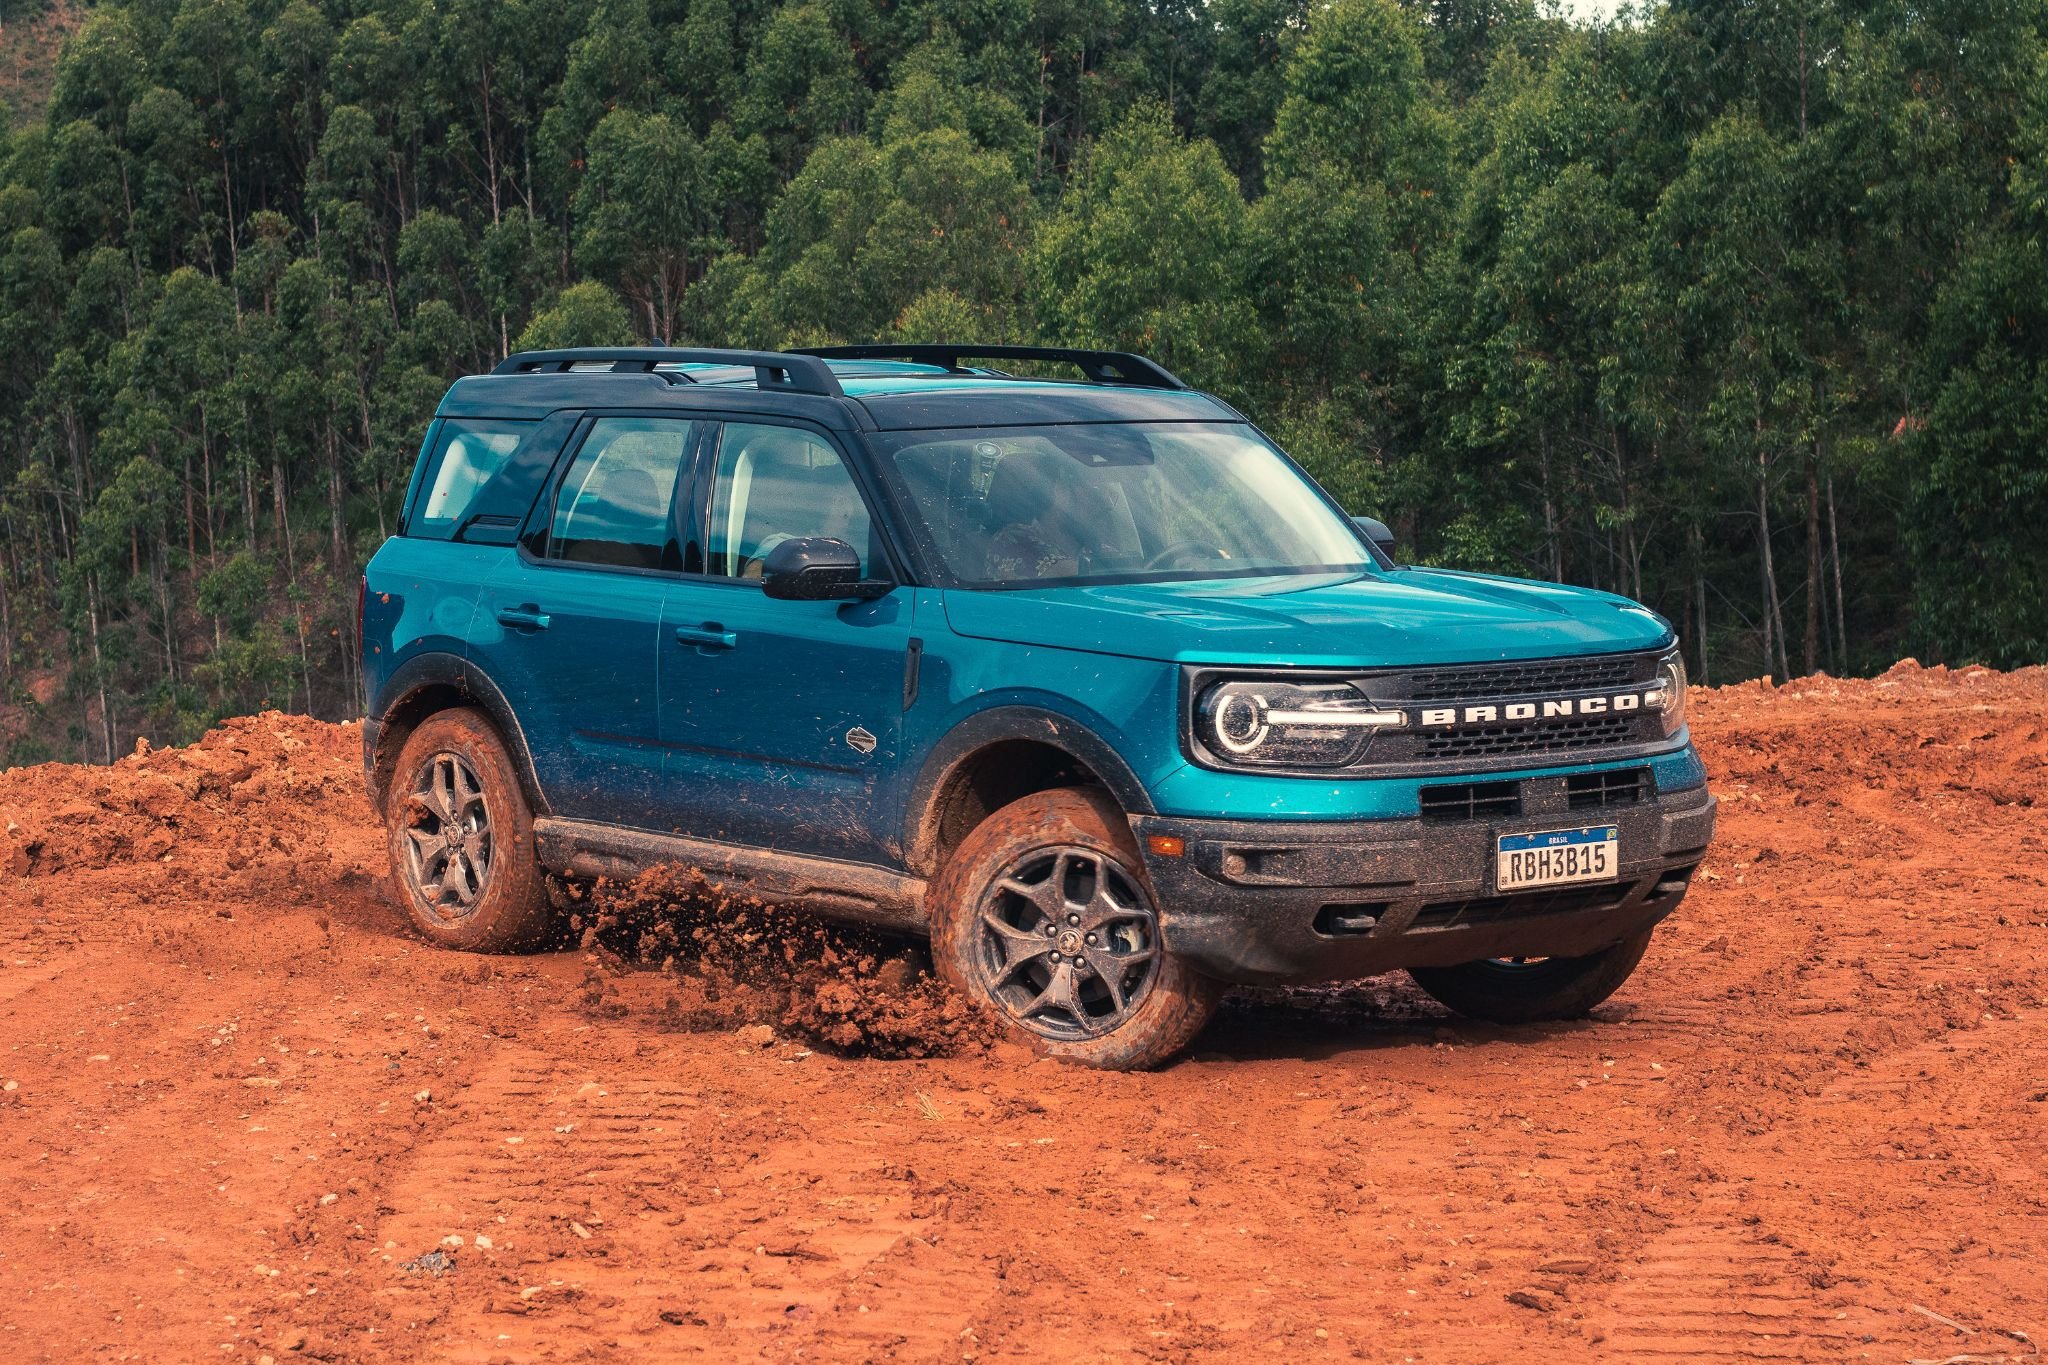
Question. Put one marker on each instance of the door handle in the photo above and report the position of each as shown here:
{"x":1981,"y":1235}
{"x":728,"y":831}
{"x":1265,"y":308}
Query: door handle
{"x":525,"y":616}
{"x":710,"y":635}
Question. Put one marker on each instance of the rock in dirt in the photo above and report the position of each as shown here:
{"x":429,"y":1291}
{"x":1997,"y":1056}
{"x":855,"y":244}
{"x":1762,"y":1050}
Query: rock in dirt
{"x":435,"y":1263}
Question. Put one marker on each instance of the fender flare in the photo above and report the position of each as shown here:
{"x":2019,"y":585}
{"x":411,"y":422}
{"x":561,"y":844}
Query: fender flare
{"x":983,"y":729}
{"x":439,"y":669}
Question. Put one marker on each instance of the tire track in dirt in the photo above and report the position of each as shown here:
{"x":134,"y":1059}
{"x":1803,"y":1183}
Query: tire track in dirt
{"x":1714,"y":1289}
{"x":619,"y":1207}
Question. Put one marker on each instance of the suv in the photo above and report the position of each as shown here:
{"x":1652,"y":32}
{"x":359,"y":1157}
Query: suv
{"x":1084,"y":678}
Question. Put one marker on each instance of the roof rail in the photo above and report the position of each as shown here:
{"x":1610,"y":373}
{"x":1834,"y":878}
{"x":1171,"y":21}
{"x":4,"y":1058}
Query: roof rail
{"x":1102,"y":367}
{"x":792,"y":371}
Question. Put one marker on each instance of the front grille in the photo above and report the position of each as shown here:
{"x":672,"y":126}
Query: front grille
{"x":1551,"y":737}
{"x":1488,"y":682}
{"x":1489,"y":909}
{"x":1471,"y":800}
{"x":1468,"y":749}
{"x":1612,"y":787}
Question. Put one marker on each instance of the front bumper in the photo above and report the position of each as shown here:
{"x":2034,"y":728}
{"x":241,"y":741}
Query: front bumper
{"x":1256,"y":901}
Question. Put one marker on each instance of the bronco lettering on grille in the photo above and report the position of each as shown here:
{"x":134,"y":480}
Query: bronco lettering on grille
{"x":1440,"y":716}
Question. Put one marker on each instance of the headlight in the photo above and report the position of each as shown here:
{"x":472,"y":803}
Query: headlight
{"x":1260,"y":723}
{"x":1671,"y":683}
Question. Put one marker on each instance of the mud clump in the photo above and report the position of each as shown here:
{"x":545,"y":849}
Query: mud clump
{"x":735,"y":961}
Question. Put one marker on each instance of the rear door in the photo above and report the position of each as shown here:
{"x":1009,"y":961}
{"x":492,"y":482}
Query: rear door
{"x":568,"y":628}
{"x":780,"y":718}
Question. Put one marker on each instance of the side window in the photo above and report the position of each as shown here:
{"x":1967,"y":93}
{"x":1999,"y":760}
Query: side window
{"x":613,"y":506}
{"x":468,"y":455}
{"x":775,"y":484}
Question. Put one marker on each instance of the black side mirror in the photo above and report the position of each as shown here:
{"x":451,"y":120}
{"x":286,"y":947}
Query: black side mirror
{"x":815,"y":569}
{"x":1376,"y":531}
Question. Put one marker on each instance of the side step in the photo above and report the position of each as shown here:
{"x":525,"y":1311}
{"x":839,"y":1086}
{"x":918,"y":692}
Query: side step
{"x":841,"y":890}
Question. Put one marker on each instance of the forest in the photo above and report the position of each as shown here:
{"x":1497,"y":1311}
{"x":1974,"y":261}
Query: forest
{"x":1737,"y":307}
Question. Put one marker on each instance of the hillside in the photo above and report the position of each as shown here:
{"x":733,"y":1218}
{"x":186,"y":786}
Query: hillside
{"x":29,"y":44}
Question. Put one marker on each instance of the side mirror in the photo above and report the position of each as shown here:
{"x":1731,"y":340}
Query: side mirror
{"x":1375,"y":530}
{"x":815,"y":569}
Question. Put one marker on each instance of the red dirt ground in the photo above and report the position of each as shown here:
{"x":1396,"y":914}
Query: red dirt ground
{"x":239,"y":1104}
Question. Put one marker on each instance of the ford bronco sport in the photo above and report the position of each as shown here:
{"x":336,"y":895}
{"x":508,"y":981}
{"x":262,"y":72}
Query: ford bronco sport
{"x":1084,"y":678}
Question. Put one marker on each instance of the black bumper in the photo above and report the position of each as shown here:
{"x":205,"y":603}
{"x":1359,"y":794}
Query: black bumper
{"x":1259,"y":901}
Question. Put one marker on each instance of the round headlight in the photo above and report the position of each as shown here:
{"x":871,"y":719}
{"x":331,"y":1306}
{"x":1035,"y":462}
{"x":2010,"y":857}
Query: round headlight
{"x":1671,"y":680}
{"x":1262,"y":723}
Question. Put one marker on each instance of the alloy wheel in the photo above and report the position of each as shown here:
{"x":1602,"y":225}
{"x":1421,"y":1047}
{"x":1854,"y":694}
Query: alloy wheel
{"x":1067,"y":942}
{"x":448,"y":836}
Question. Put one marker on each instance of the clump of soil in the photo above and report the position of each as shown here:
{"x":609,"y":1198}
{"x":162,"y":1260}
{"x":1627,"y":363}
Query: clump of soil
{"x":735,"y":960}
{"x":255,"y":787}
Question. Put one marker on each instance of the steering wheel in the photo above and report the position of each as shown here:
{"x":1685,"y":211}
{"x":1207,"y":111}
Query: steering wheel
{"x":1165,"y":557}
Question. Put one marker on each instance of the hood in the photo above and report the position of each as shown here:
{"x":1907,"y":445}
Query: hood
{"x":1402,"y":617}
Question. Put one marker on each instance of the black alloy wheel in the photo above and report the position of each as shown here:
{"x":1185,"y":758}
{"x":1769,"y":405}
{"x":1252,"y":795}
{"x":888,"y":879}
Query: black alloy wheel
{"x":1067,"y":943}
{"x":448,"y":837}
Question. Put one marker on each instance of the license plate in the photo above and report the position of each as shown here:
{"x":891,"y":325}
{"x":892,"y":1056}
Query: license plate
{"x":1554,"y":857}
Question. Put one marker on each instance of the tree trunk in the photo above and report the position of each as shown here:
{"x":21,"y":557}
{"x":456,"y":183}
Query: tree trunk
{"x":1774,"y":619}
{"x":1551,"y":550}
{"x":206,"y":477}
{"x":490,"y":143}
{"x":99,"y":670}
{"x":1835,"y":560}
{"x":1699,"y":592}
{"x":191,"y":528}
{"x":1813,"y":584}
{"x":283,"y":528}
{"x":337,"y":535}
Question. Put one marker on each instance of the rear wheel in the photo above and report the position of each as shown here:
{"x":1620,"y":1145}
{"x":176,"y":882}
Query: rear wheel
{"x":461,"y":838}
{"x":1530,"y":990}
{"x":1045,"y":914}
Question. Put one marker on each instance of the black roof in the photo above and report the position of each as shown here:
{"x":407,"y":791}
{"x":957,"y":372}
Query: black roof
{"x":887,"y":388}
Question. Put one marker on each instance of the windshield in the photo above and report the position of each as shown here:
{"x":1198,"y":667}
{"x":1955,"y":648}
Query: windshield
{"x":1009,"y":507}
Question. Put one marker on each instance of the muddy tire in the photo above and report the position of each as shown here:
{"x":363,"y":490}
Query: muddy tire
{"x":1530,"y":992}
{"x":461,"y":837}
{"x":1045,"y":915}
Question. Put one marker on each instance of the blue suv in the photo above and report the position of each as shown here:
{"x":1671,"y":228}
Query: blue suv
{"x":1082,"y":677}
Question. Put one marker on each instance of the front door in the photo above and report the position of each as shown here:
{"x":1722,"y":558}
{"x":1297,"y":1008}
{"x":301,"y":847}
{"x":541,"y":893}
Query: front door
{"x":569,"y":628}
{"x":780,"y":718}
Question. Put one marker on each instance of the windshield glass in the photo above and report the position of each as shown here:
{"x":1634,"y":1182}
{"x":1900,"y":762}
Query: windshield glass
{"x":1008,"y":507}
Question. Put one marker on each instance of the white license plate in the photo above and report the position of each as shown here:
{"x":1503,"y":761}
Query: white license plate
{"x":1554,"y":857}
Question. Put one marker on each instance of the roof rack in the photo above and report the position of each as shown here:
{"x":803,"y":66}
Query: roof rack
{"x":795,"y":372}
{"x":1101,"y":367}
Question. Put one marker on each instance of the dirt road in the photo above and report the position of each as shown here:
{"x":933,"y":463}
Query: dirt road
{"x":243,"y":1115}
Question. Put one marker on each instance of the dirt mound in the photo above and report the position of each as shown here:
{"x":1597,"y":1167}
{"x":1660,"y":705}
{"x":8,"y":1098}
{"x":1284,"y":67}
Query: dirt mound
{"x":256,"y":787}
{"x":734,"y":961}
{"x":1973,"y":737}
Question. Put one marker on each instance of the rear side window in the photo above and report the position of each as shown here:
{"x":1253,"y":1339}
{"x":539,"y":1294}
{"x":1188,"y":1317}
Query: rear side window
{"x":615,"y":505}
{"x":468,"y":455}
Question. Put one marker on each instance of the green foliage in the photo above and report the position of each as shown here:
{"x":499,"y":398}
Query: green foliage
{"x":1353,"y":89}
{"x":1736,"y":309}
{"x":586,"y":314}
{"x":1147,"y":253}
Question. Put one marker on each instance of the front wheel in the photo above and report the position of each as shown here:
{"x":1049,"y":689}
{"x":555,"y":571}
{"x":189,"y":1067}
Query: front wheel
{"x":1532,"y":990}
{"x":461,"y":837}
{"x":1045,"y":914}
